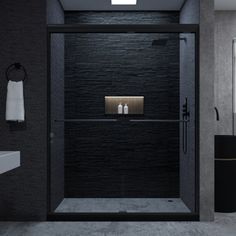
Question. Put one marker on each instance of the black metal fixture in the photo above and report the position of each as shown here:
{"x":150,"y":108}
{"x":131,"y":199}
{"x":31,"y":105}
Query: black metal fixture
{"x":217,"y":114}
{"x":164,"y":41}
{"x":15,"y":67}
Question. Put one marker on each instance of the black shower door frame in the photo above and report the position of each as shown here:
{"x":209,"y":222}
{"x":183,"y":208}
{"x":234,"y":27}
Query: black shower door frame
{"x":122,"y":28}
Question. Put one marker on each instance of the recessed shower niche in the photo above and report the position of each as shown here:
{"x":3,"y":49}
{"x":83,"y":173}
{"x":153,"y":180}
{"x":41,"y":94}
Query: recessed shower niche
{"x":143,"y":164}
{"x":117,"y":105}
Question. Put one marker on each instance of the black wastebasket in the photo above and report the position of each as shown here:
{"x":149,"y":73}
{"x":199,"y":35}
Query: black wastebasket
{"x":225,"y":173}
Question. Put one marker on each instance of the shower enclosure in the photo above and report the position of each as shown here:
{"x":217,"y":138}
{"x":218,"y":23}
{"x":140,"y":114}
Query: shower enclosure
{"x":108,"y":166}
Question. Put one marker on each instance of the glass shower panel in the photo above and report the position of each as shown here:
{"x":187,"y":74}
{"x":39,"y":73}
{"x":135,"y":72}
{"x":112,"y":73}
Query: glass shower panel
{"x":120,"y":163}
{"x":188,"y":130}
{"x":57,"y":100}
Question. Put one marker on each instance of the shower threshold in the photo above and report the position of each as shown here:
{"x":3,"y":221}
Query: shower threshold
{"x":122,"y":205}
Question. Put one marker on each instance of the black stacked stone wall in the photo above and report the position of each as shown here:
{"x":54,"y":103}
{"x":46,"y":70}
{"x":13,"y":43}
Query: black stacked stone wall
{"x":121,"y":159}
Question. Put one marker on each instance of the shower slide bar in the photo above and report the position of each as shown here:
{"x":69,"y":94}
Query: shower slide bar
{"x":116,"y":120}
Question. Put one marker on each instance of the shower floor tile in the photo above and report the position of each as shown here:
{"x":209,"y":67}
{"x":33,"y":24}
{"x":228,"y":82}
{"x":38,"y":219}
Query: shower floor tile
{"x":162,"y":205}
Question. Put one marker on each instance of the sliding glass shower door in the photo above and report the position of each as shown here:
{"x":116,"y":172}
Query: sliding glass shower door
{"x":123,"y":123}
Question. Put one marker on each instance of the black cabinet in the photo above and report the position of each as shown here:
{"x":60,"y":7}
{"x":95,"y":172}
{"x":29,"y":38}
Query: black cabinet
{"x":225,"y":173}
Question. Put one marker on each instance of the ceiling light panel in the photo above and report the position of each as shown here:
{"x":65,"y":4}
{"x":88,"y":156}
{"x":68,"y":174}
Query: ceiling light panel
{"x":123,"y":2}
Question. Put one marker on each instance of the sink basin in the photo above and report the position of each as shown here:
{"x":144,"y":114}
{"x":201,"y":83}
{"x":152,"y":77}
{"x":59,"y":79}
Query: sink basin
{"x":9,"y":161}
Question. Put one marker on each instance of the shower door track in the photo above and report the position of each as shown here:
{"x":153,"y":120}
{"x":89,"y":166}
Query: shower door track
{"x":123,"y":28}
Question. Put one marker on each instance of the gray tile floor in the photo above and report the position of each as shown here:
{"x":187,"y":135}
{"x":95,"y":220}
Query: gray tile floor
{"x":224,"y":225}
{"x":122,"y":204}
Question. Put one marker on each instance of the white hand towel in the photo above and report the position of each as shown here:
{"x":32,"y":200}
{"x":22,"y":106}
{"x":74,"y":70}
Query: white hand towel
{"x":15,"y":110}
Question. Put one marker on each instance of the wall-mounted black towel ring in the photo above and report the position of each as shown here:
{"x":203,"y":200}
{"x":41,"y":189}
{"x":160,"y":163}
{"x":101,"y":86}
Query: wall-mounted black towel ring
{"x":14,"y":67}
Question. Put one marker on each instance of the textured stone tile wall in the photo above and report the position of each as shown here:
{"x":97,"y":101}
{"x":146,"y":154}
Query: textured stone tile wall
{"x":225,"y":32}
{"x":23,"y":39}
{"x":121,"y":159}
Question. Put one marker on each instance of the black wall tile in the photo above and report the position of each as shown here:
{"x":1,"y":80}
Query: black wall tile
{"x":23,"y":39}
{"x":121,"y":17}
{"x":121,"y":159}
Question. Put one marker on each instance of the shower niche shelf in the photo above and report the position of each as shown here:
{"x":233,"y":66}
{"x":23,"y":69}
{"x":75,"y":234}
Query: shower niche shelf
{"x":135,"y":104}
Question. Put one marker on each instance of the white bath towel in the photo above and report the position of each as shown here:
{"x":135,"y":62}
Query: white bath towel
{"x":15,"y":109}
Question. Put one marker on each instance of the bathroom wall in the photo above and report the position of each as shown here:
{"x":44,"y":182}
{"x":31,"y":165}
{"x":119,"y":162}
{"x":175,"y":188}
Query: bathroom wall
{"x":121,"y":17}
{"x":23,"y":39}
{"x":207,"y":114}
{"x":190,"y":11}
{"x":121,"y":159}
{"x":202,"y":12}
{"x":225,"y":32}
{"x":55,"y":12}
{"x":56,"y":16}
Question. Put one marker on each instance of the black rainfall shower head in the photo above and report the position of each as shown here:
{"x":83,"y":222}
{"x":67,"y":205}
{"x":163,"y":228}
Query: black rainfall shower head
{"x":163,"y":41}
{"x":159,"y":42}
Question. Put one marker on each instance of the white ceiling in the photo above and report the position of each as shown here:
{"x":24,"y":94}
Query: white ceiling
{"x":105,"y":5}
{"x":225,"y":5}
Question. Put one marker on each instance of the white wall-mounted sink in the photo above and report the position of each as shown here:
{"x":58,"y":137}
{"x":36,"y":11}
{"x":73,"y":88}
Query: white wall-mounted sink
{"x":9,"y":161}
